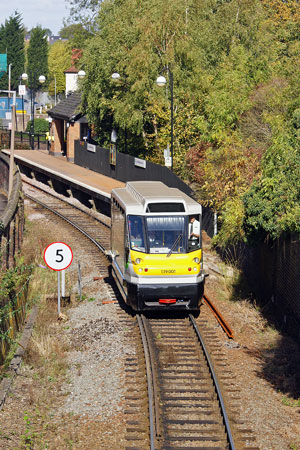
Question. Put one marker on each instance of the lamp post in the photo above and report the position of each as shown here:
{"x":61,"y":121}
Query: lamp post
{"x":42,"y":80}
{"x":161,"y":81}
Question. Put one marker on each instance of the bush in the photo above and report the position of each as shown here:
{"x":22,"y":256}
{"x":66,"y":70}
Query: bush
{"x":40,"y":125}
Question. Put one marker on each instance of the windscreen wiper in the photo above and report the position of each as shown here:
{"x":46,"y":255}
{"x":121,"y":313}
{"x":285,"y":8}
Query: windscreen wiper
{"x":178,"y":239}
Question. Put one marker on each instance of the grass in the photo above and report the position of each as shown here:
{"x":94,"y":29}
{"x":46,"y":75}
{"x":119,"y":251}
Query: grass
{"x":45,"y":357}
{"x":290,"y":402}
{"x":295,"y":445}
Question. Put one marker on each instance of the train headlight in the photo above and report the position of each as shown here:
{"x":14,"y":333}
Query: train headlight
{"x":196,"y":260}
{"x":138,"y":261}
{"x":195,"y":269}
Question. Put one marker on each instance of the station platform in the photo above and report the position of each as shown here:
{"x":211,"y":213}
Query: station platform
{"x":61,"y":169}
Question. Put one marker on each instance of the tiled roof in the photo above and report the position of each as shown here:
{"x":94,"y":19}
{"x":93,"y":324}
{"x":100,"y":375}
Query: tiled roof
{"x":67,"y":109}
{"x":72,"y":69}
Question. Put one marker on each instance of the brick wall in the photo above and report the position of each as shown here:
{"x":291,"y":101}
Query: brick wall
{"x":73,"y":135}
{"x":58,"y":132}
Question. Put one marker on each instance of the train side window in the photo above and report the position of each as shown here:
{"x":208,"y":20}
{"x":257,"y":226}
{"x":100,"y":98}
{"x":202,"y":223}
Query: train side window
{"x":136,"y":233}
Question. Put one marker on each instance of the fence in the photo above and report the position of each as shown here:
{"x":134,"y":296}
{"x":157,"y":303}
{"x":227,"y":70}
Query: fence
{"x":11,"y":234}
{"x":272,"y":269}
{"x":23,"y":139}
{"x":127,"y":168}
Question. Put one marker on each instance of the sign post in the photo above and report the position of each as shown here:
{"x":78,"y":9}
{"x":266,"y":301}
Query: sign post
{"x":58,"y":256}
{"x":168,"y":158}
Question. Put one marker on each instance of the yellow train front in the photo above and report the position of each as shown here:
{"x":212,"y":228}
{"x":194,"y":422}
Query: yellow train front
{"x":156,"y":250}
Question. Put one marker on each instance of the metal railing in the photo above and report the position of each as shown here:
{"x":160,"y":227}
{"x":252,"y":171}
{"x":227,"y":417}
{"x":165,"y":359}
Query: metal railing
{"x":23,"y":139}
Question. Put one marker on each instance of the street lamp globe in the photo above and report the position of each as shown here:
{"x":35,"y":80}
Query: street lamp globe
{"x":81,"y":74}
{"x":161,"y":81}
{"x":24,"y":76}
{"x":42,"y":79}
{"x":114,"y":136}
{"x":116,"y":76}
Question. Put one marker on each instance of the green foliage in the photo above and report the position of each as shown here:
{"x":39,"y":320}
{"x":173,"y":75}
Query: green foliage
{"x":12,"y":280}
{"x":37,"y":57}
{"x":85,"y":12}
{"x":232,"y":218}
{"x":235,"y":67}
{"x":76,"y":34}
{"x":272,"y":204}
{"x":40,"y":125}
{"x":59,"y":60}
{"x":290,"y":402}
{"x":29,"y":435}
{"x":12,"y":43}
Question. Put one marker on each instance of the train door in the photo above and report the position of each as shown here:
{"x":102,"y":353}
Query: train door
{"x":117,"y":236}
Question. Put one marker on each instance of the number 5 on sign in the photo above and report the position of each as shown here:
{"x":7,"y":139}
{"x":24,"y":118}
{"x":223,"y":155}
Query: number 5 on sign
{"x":58,"y":256}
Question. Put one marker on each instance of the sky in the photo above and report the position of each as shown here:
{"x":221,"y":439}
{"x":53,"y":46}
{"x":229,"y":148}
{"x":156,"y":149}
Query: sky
{"x":47,"y":13}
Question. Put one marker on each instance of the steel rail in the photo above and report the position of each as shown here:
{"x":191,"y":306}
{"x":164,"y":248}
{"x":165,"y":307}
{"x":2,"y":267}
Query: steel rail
{"x":219,"y":317}
{"x":99,"y":246}
{"x":56,"y":196}
{"x":154,"y":380}
{"x":216,"y":383}
{"x":149,"y":381}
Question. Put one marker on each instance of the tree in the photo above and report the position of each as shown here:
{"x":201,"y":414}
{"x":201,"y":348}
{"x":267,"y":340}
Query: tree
{"x":139,"y":40}
{"x":12,"y":42}
{"x":37,"y":57}
{"x":235,"y":77}
{"x":84,"y":12}
{"x":59,"y":60}
{"x":76,"y":34}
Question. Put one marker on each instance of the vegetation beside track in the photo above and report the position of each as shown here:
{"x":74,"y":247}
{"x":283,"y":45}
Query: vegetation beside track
{"x":235,"y":67}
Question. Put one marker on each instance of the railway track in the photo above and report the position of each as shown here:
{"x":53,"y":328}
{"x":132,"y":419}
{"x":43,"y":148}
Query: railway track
{"x":173,"y":399}
{"x":95,"y":229}
{"x":188,"y":409}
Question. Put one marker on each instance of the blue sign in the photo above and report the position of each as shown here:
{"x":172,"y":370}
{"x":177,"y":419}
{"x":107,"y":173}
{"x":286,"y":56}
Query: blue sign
{"x":5,"y":107}
{"x":3,"y":64}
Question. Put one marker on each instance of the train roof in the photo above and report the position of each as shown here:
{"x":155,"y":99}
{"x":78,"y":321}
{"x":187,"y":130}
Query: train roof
{"x":142,"y":197}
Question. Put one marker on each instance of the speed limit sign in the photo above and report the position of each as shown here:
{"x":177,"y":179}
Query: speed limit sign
{"x":58,"y":256}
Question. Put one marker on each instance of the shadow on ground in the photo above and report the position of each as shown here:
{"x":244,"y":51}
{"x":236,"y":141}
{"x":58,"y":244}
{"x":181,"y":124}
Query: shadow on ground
{"x":280,"y":357}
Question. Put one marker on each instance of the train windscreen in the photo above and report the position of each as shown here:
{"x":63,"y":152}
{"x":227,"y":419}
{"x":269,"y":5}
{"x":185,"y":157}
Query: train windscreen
{"x":165,"y":234}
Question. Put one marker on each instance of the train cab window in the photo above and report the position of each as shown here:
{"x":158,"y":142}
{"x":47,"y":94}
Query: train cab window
{"x":136,"y":233}
{"x":165,"y":234}
{"x":194,"y":233}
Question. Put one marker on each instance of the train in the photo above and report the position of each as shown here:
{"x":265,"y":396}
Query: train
{"x":156,"y":247}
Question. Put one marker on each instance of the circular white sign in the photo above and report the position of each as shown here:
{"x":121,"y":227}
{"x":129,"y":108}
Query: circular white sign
{"x":58,"y":256}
